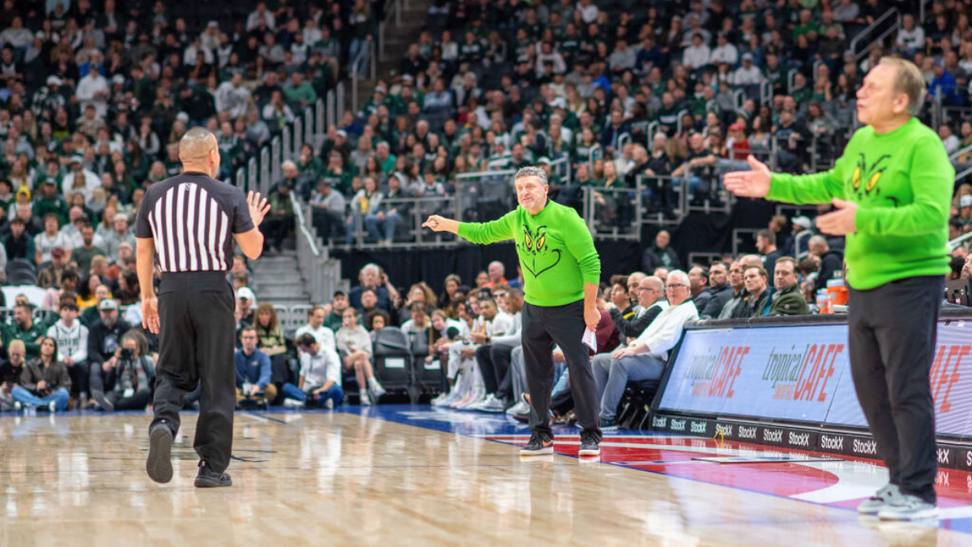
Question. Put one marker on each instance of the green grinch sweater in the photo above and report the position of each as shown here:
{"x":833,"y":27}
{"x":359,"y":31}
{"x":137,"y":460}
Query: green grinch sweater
{"x":555,"y":249}
{"x":902,"y":182}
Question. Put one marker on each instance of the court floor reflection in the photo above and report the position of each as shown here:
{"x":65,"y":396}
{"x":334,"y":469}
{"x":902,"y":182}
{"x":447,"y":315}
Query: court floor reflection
{"x":400,"y":476}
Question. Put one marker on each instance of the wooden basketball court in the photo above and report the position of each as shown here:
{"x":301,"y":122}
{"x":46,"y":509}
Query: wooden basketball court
{"x":416,"y":476}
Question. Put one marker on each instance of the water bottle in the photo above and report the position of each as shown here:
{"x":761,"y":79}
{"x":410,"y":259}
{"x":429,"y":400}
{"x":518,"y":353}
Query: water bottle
{"x":823,"y":301}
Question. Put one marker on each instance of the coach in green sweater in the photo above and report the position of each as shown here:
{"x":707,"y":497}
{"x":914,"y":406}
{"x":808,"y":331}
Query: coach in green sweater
{"x":892,"y":190}
{"x":561,"y":271}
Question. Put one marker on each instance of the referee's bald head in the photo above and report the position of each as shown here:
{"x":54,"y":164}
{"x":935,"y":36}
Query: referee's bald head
{"x":197,"y":146}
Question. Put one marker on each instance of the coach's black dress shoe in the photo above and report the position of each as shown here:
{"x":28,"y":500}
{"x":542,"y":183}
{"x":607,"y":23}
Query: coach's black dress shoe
{"x":207,"y":478}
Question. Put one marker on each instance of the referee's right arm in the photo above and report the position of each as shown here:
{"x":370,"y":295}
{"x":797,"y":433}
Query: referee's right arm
{"x":251,"y":241}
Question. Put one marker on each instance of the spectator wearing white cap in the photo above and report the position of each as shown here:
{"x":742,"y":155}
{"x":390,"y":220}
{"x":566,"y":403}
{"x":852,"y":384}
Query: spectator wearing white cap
{"x":747,"y":73}
{"x":93,"y":89}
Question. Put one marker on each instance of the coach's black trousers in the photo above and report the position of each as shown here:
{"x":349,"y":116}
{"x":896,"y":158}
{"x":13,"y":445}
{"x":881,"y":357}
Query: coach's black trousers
{"x":196,"y":343}
{"x":564,"y":326}
{"x":892,"y":333}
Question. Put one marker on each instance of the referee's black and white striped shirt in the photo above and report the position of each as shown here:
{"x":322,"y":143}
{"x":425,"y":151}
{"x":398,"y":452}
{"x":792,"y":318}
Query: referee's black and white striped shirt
{"x":192,"y":218}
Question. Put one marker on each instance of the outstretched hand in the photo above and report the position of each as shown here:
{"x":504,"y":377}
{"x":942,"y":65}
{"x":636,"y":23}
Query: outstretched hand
{"x":749,"y":184}
{"x":841,"y":221}
{"x":258,"y":207}
{"x":437,"y":223}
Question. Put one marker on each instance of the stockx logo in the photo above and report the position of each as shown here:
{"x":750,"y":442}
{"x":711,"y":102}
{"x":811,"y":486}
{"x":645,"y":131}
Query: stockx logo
{"x":537,"y":257}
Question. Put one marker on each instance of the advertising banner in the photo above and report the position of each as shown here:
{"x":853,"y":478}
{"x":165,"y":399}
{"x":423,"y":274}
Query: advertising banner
{"x":802,"y":374}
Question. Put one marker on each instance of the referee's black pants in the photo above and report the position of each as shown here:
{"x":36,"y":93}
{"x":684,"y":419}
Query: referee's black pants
{"x":892,"y":333}
{"x":196,"y":344}
{"x":544,"y":326}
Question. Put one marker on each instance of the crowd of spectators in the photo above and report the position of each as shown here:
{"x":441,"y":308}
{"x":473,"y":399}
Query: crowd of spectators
{"x":95,"y":97}
{"x":498,"y":85}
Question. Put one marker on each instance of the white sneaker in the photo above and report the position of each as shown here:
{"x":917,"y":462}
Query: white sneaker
{"x":491,"y":405}
{"x":880,"y":500}
{"x":365,"y":399}
{"x":461,"y":400}
{"x":439,"y":400}
{"x":518,"y":408}
{"x":478,"y":397}
{"x":375,"y":389}
{"x":329,"y":404}
{"x":908,"y":507}
{"x":294,"y":404}
{"x":17,"y":406}
{"x":52,"y":407}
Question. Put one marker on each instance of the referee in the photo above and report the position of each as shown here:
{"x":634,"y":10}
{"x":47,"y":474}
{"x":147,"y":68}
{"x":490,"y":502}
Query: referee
{"x":892,"y":190}
{"x":188,"y":222}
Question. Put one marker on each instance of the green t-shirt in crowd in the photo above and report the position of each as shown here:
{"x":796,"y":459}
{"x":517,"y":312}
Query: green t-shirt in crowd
{"x":902,"y":182}
{"x":555,"y":249}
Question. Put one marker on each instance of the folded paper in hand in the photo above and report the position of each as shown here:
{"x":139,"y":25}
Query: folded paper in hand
{"x":590,"y":339}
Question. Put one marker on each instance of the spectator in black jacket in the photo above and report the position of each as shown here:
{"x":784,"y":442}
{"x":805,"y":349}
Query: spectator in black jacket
{"x":766,"y":245}
{"x":831,"y":261}
{"x":660,"y":254}
{"x":698,"y":285}
{"x":104,"y":339}
{"x":719,"y":291}
{"x":651,"y":298}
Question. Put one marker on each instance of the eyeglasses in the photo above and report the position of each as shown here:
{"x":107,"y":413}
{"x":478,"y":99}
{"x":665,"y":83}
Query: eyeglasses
{"x":675,"y":285}
{"x":646,"y":289}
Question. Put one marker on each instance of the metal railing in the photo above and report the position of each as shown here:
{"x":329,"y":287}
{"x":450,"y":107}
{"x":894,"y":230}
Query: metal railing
{"x":871,"y":30}
{"x":614,"y":213}
{"x":355,"y":69}
{"x":412,"y":212}
{"x":394,"y":7}
{"x":321,"y":273}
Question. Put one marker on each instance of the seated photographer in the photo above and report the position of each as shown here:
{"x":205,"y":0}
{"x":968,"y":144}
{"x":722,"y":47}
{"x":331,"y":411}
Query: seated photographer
{"x":253,"y":373}
{"x":45,"y":382}
{"x":130,"y":372}
{"x":320,"y":376}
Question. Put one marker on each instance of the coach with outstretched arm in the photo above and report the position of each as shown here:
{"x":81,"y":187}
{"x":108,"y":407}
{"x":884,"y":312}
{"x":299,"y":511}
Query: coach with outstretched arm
{"x":561,"y":272}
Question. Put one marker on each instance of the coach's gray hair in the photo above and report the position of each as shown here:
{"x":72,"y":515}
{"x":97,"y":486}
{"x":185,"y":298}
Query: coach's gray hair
{"x":908,"y":81}
{"x":532,"y":171}
{"x":196,"y":144}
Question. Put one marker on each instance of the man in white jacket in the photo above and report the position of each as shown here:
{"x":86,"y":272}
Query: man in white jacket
{"x":645,"y":358}
{"x":315,"y":327}
{"x":72,"y":344}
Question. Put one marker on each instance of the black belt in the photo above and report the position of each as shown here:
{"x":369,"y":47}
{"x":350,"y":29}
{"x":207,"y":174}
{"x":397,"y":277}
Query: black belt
{"x":194,"y":282}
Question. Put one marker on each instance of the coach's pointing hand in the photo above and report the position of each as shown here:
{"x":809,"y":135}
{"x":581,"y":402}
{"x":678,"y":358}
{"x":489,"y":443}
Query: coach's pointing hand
{"x":258,"y":207}
{"x":749,"y":184}
{"x":440,"y":224}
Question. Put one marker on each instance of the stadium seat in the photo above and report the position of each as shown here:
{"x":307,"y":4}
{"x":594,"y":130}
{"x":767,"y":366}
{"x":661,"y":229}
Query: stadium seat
{"x":392,"y":359}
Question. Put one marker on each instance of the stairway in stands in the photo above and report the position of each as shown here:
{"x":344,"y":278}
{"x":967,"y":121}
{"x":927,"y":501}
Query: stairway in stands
{"x":397,"y":40}
{"x":278,"y":279}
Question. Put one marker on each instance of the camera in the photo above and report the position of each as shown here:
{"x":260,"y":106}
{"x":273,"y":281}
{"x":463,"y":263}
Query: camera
{"x":126,"y":354}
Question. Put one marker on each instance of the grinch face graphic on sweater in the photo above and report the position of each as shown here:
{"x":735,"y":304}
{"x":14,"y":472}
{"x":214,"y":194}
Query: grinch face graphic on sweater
{"x":538,"y":256}
{"x":866,"y":176}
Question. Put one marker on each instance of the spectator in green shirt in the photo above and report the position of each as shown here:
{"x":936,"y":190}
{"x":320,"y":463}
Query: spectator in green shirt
{"x":300,"y":91}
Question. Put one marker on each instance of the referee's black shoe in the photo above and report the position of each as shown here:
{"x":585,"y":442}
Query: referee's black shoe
{"x":159,"y":462}
{"x":207,"y":478}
